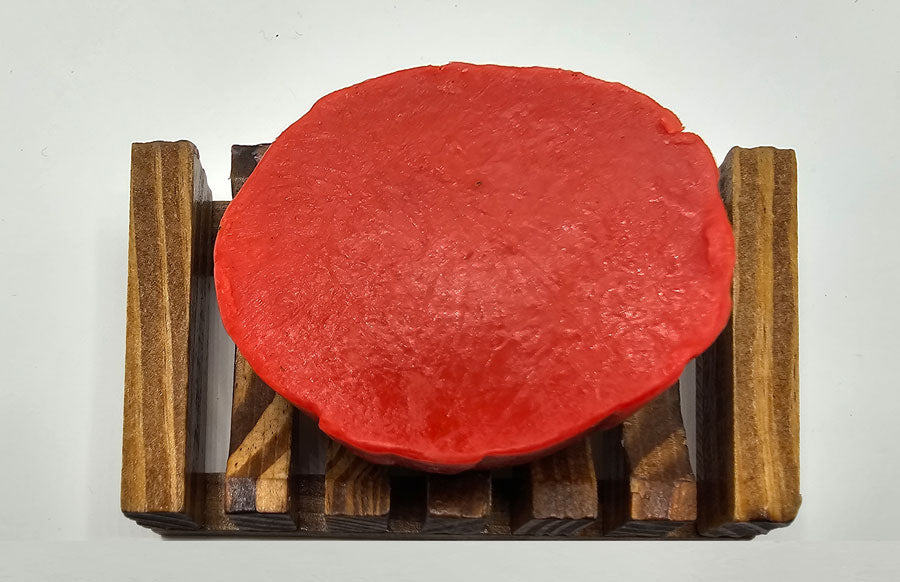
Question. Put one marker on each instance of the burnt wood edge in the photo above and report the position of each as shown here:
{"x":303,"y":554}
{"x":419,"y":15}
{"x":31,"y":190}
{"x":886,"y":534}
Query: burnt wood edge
{"x":406,"y":519}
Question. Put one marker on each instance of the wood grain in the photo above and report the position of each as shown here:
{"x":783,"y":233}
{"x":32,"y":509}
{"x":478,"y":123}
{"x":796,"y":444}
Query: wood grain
{"x":257,"y":488}
{"x":648,"y":487}
{"x":748,"y":381}
{"x":165,"y":353}
{"x":357,"y":493}
{"x":458,"y":503}
{"x":558,"y":493}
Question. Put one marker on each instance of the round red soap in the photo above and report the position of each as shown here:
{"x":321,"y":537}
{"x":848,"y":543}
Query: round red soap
{"x":469,"y":266}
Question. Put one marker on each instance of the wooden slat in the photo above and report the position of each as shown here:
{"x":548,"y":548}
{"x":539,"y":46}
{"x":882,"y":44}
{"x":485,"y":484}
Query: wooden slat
{"x":166,"y":347}
{"x":650,"y":489}
{"x":409,"y":499}
{"x":748,"y":384}
{"x":458,"y":503}
{"x":218,"y":209}
{"x":257,"y":488}
{"x":244,"y":159}
{"x":503,"y":492}
{"x":559,"y":493}
{"x":357,"y":493}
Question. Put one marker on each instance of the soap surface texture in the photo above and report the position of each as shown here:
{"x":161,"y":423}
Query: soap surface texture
{"x":468,"y":266}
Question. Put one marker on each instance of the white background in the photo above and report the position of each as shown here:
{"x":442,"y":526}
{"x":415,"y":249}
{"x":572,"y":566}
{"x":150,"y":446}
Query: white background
{"x":79,"y":81}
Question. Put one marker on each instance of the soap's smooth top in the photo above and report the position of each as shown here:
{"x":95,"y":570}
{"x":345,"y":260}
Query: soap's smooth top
{"x":467,"y":265}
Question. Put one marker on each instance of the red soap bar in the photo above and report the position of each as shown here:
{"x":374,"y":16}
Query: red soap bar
{"x":468,"y":265}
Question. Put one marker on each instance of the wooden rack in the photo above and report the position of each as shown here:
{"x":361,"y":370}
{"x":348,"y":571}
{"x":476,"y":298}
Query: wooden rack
{"x":634,"y":481}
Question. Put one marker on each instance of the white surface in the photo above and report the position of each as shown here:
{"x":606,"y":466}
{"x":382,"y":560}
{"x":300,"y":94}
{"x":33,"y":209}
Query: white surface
{"x":79,"y":81}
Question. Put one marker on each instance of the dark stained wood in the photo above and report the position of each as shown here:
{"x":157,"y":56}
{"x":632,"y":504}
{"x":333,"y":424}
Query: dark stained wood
{"x":215,"y":518}
{"x":648,"y":487}
{"x":309,"y":492}
{"x":558,"y":493}
{"x":503,"y":492}
{"x":257,"y":488}
{"x":458,"y":503}
{"x":166,"y":344}
{"x":409,"y":494}
{"x":407,"y":523}
{"x":748,"y":382}
{"x":357,"y":493}
{"x":244,"y":159}
{"x":218,"y":209}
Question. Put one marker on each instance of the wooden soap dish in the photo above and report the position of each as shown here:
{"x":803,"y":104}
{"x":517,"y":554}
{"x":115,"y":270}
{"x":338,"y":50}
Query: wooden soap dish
{"x":634,"y":481}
